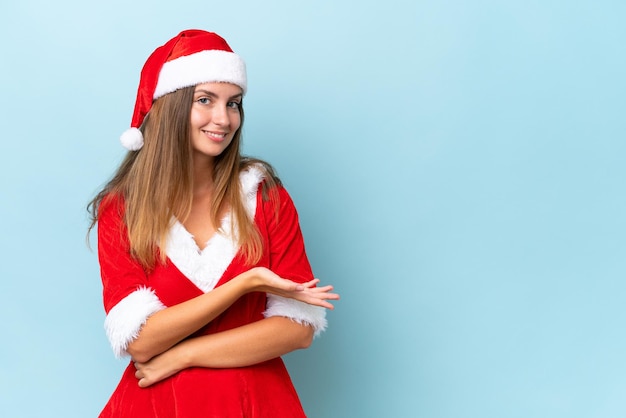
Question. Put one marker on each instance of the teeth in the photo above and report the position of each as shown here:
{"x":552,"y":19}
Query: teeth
{"x":214,"y":134}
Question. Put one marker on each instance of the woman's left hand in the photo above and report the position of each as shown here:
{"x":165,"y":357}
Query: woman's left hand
{"x":158,"y":368}
{"x":265,"y":280}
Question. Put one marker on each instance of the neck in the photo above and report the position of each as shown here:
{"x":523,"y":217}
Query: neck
{"x":202,"y":176}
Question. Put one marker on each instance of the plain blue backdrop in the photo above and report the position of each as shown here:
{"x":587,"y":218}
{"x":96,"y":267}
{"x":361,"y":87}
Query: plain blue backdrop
{"x":458,"y":166}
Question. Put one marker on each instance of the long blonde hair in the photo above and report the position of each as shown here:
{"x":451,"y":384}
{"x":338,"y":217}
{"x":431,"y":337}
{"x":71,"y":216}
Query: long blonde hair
{"x":156,"y":183}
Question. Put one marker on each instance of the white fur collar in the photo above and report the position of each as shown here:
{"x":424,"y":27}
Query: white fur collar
{"x":205,"y":268}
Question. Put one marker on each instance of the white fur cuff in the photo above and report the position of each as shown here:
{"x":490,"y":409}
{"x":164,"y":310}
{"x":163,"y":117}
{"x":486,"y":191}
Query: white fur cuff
{"x":297,"y":311}
{"x":124,"y":321}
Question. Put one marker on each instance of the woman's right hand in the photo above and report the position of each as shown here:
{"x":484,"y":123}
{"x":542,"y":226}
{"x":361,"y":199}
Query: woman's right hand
{"x":261,"y":279}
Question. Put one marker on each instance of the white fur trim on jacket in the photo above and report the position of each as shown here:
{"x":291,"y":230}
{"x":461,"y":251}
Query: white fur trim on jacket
{"x":202,"y":267}
{"x":250,"y":181}
{"x":124,"y":321}
{"x":297,"y":311}
{"x":205,"y":267}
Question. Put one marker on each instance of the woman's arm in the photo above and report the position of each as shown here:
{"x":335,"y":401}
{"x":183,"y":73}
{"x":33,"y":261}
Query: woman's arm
{"x":239,"y":347}
{"x":137,"y":322}
{"x":167,"y":327}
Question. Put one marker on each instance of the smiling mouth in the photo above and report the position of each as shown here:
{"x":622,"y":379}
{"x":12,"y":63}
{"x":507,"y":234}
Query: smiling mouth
{"x":215,"y":135}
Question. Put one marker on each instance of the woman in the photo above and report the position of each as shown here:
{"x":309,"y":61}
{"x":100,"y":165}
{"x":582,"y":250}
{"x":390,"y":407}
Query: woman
{"x":205,"y":279}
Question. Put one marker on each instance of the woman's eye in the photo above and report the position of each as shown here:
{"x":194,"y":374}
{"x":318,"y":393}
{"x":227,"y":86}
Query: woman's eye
{"x":234,"y":105}
{"x":203,"y":100}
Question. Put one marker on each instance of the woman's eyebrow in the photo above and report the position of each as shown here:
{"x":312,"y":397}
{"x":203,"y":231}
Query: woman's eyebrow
{"x":210,"y":93}
{"x":203,"y":91}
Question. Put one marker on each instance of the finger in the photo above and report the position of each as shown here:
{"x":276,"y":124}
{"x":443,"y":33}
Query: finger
{"x":325,"y":304}
{"x":322,"y":289}
{"x":288,"y":286}
{"x":319,"y":300}
{"x":328,"y":296}
{"x":311,"y":283}
{"x":323,"y":293}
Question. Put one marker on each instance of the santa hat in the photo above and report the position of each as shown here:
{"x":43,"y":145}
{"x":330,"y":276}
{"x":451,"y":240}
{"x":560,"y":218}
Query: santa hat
{"x":190,"y":58}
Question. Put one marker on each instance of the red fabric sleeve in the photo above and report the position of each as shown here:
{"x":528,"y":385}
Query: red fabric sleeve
{"x":288,"y":259}
{"x":121,"y":274}
{"x":287,"y":253}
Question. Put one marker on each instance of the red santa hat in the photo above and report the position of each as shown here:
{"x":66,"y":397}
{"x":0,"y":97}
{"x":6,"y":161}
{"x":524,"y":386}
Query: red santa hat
{"x":191,"y":57}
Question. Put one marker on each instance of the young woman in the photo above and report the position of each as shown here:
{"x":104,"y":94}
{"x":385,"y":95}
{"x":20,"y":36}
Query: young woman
{"x":205,"y":278}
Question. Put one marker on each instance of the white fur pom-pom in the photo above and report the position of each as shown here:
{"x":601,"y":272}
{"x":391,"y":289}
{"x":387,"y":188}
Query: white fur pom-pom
{"x":132,"y":139}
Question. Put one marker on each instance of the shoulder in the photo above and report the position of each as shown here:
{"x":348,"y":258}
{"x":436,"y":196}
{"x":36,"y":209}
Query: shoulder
{"x":264,"y":193}
{"x":259,"y":169}
{"x":111,"y":210}
{"x":250,"y":179}
{"x":259,"y":176}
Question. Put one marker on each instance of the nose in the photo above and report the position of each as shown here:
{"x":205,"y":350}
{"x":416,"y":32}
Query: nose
{"x":220,"y":116}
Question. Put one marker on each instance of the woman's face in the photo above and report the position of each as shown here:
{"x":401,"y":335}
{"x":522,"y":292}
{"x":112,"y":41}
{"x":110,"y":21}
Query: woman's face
{"x":215,"y":117}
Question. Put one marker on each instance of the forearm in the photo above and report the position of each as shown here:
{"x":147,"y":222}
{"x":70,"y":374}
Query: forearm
{"x":246,"y":345}
{"x":166,"y":328}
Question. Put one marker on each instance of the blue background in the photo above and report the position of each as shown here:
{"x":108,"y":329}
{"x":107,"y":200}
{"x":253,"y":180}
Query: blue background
{"x":458,"y":166}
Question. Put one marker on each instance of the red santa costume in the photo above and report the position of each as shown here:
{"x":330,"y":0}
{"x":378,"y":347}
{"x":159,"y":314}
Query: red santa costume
{"x":131,"y":294}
